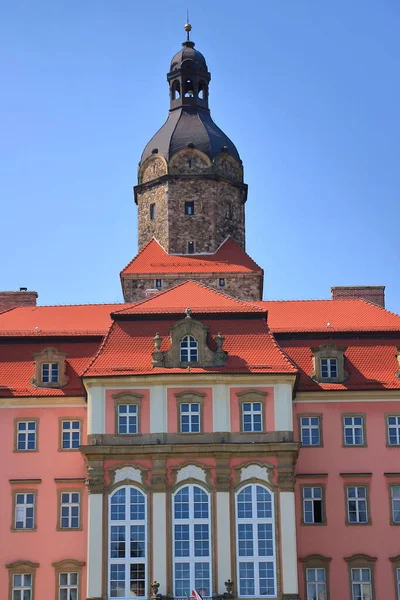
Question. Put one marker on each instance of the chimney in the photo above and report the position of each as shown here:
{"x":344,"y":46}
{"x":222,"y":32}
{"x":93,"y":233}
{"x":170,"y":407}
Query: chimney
{"x":372,"y":293}
{"x":10,"y":300}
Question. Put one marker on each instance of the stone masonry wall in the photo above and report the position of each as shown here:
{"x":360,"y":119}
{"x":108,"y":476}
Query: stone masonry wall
{"x":159,"y":227}
{"x":244,"y":287}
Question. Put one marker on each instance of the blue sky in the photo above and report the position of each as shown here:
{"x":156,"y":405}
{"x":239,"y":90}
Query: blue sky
{"x":308,"y":91}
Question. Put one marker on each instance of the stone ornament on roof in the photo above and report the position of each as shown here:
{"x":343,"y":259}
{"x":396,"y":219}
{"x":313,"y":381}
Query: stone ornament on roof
{"x":206,"y":357}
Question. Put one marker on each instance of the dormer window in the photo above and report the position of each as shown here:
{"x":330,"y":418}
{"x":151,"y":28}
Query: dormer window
{"x":328,"y":362}
{"x":50,"y":369}
{"x":189,"y":349}
{"x":329,"y":368}
{"x":50,"y":372}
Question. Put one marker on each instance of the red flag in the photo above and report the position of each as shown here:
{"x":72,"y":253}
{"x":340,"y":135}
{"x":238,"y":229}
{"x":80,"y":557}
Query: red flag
{"x":196,"y":595}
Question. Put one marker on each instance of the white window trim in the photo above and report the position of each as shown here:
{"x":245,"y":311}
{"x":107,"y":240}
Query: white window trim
{"x":22,"y":588}
{"x":68,"y":586}
{"x":312,"y":500}
{"x":398,"y":582}
{"x":127,"y":414}
{"x":396,"y":427}
{"x":330,"y":362}
{"x":310,"y":428}
{"x":252,"y":412}
{"x":23,"y":507}
{"x":127,"y":522}
{"x":70,"y":505}
{"x":392,"y":501}
{"x":192,"y":521}
{"x":353,"y":428}
{"x":50,"y":375}
{"x":353,"y":583}
{"x":70,"y":431}
{"x":255,"y":559}
{"x":191,"y":352}
{"x":320,"y":586}
{"x":189,"y":414}
{"x":357,"y":500}
{"x":24,"y":433}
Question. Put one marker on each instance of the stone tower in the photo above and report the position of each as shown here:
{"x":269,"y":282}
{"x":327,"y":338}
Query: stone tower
{"x":190,"y":191}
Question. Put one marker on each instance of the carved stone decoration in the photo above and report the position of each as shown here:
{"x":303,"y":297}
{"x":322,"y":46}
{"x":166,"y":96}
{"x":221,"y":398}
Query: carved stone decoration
{"x":158,"y":355}
{"x":397,"y":355}
{"x":254,"y":472}
{"x":95,"y":477}
{"x":229,"y":588}
{"x":128,"y":474}
{"x":286,"y":478}
{"x":159,"y":475}
{"x":50,"y":355}
{"x":191,"y":472}
{"x":154,"y":587}
{"x":171,"y":358}
{"x":329,"y":350}
{"x":223,"y":474}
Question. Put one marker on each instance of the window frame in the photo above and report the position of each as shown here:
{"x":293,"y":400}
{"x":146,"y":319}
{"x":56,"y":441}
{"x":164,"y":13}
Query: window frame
{"x":221,"y":279}
{"x":328,"y":351}
{"x":125,"y":398}
{"x":199,"y":413}
{"x":68,"y":565}
{"x":316,"y":561}
{"x":158,"y":284}
{"x":395,"y":560}
{"x":364,"y":429}
{"x":191,"y":521}
{"x":18,"y":420}
{"x":187,"y":337}
{"x":60,"y":504}
{"x":21,"y":567}
{"x":318,"y":416}
{"x":50,"y":355}
{"x":152,"y":211}
{"x":251,"y":396}
{"x":397,"y":416}
{"x":392,"y":521}
{"x":189,"y":204}
{"x":252,"y":413}
{"x":361,"y":561}
{"x":127,"y":523}
{"x":61,"y":420}
{"x":323,"y":504}
{"x":254,"y":521}
{"x":191,"y":247}
{"x":15,"y":492}
{"x":367,"y":500}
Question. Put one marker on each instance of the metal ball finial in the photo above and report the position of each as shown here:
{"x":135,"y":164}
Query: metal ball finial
{"x":188,"y":27}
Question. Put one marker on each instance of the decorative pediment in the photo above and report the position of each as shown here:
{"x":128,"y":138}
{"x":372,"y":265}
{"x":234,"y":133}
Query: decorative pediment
{"x":191,"y":472}
{"x":189,"y":346}
{"x":254,"y":471}
{"x":46,"y":376}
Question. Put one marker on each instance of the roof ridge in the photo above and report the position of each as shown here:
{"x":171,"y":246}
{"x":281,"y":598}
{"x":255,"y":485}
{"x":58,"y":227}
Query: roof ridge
{"x":379,"y":306}
{"x":153,"y":239}
{"x":91,"y":362}
{"x":69,"y":305}
{"x":240,"y":247}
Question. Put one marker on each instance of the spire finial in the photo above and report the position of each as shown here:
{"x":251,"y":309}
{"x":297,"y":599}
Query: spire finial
{"x":188,"y":27}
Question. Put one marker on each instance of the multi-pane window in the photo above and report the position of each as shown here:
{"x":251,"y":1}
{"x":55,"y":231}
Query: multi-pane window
{"x":361,"y":585}
{"x":393,"y":425}
{"x":22,"y":586}
{"x":329,"y":368}
{"x":68,"y":586}
{"x":70,"y":510}
{"x":127,"y":547}
{"x":316,"y":584}
{"x":50,"y":372}
{"x":353,"y":431}
{"x":252,"y":416}
{"x":310,"y":431}
{"x":26,"y":435}
{"x":189,"y":208}
{"x":357,"y":510}
{"x":189,"y":350}
{"x":152,"y":211}
{"x":190,"y":417}
{"x":312,"y":505}
{"x":71,"y":434}
{"x":127,"y":418}
{"x":25,"y":511}
{"x":395,"y":501}
{"x":398,"y":583}
{"x":256,"y":560}
{"x":192,"y":541}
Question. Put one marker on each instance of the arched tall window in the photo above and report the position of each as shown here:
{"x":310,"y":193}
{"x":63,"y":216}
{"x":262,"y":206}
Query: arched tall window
{"x":189,"y":349}
{"x":255,"y":535}
{"x":191,"y":513}
{"x":127,"y":543}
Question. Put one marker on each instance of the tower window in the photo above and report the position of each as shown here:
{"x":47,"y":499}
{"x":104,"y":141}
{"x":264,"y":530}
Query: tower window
{"x":189,"y":208}
{"x":190,"y":247}
{"x":176,"y":90}
{"x":152,"y":211}
{"x":221,"y":282}
{"x":158,"y":284}
{"x":188,"y":87}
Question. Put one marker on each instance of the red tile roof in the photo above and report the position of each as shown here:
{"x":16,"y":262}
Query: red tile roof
{"x":371,"y":364}
{"x":18,"y":368}
{"x":128,"y":347}
{"x":84,"y":319}
{"x":342,"y":315}
{"x":190,"y":294}
{"x":229,"y":258}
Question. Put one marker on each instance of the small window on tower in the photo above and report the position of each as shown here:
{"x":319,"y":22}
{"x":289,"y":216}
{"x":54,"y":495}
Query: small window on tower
{"x":190,"y":247}
{"x":158,"y":284}
{"x":152,"y":211}
{"x":189,"y":208}
{"x":221,"y":282}
{"x":229,"y":210}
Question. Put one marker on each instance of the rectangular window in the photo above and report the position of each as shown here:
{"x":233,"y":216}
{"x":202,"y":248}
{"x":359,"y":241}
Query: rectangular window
{"x":312,"y":505}
{"x":395,"y":502}
{"x":26,"y":435}
{"x":221,"y":282}
{"x":357,"y":511}
{"x":252,"y":416}
{"x":310,"y":433}
{"x":152,"y":211}
{"x":190,"y":418}
{"x":158,"y":284}
{"x":71,"y":435}
{"x":50,"y":372}
{"x":70,"y":510}
{"x":361,"y":586}
{"x":189,"y":208}
{"x":329,"y":368}
{"x":22,"y":587}
{"x":190,"y":247}
{"x":127,"y":418}
{"x":68,"y":586}
{"x":316,"y":584}
{"x":24,"y":510}
{"x":398,"y":583}
{"x":353,"y":430}
{"x":393,"y":427}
